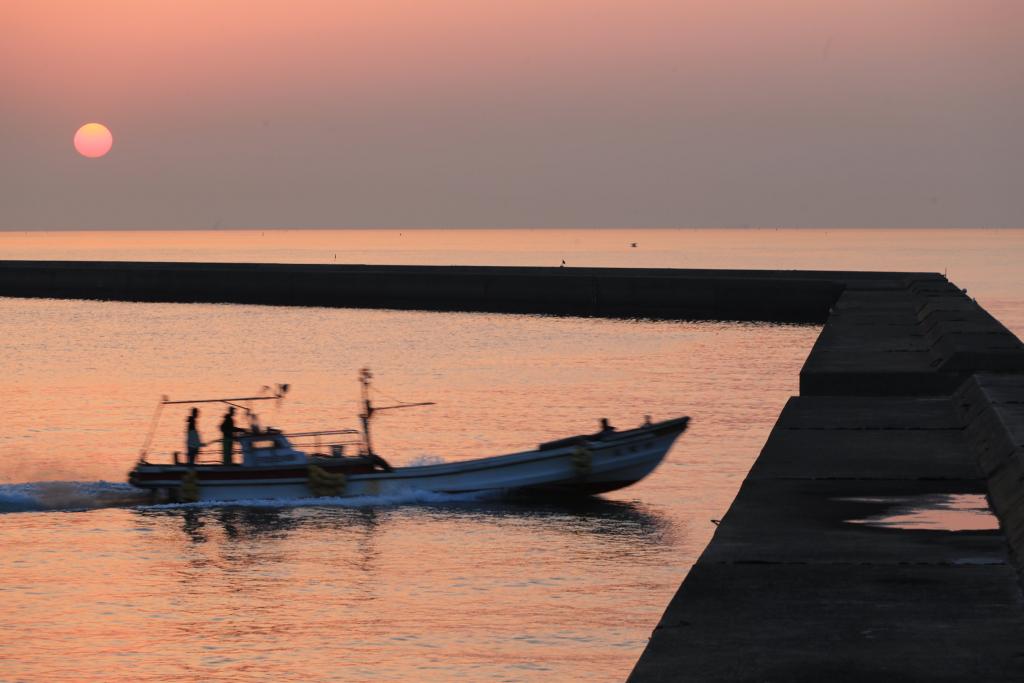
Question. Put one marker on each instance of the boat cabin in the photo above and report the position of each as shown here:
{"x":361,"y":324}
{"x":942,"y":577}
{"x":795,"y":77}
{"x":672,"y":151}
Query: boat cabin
{"x":269,"y":449}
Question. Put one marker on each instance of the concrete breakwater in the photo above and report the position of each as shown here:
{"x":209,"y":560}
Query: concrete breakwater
{"x":911,"y":402}
{"x":779,"y":296}
{"x":851,"y":551}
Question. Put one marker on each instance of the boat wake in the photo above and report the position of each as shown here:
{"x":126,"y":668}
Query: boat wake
{"x":41,"y":496}
{"x":70,"y":496}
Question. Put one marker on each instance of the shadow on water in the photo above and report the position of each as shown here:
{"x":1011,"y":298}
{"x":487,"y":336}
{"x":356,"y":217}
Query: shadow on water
{"x":621,"y":523}
{"x":614,"y":520}
{"x":574,"y":515}
{"x":236,"y":523}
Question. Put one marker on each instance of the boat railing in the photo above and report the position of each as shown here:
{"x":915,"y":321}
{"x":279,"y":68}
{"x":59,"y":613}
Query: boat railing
{"x":327,"y":448}
{"x":323,"y":442}
{"x":321,"y":432}
{"x":212,"y":452}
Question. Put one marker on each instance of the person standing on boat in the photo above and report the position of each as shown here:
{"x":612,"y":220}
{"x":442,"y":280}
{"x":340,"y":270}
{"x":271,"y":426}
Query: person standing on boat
{"x":192,"y":440}
{"x":228,"y":431}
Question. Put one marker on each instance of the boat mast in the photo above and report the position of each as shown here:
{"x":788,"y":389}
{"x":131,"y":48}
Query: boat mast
{"x":369,"y":409}
{"x":364,"y":379}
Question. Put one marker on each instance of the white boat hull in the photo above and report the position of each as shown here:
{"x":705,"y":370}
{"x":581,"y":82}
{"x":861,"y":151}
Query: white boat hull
{"x":583,"y":465}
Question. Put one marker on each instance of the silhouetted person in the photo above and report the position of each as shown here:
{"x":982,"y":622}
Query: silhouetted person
{"x":192,"y":440}
{"x":228,"y":431}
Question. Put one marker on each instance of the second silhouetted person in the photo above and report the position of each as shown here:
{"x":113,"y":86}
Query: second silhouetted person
{"x":228,"y":431}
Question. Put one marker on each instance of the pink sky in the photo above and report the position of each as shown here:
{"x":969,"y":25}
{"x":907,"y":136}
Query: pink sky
{"x":555,"y":113}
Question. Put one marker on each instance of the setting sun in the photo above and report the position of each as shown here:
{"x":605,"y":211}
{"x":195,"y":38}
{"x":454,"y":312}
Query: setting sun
{"x":93,"y":140}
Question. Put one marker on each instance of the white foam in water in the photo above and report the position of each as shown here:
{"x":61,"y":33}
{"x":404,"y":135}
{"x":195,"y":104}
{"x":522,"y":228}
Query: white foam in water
{"x":67,"y":495}
{"x":43,"y":496}
{"x":425,"y":459}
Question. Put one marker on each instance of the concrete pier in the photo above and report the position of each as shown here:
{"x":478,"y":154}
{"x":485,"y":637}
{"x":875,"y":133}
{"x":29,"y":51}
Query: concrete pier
{"x":911,"y":403}
{"x":778,"y":296}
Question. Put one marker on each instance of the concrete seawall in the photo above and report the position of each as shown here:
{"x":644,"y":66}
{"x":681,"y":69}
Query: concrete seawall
{"x":778,"y":296}
{"x":911,"y":406}
{"x":847,"y":554}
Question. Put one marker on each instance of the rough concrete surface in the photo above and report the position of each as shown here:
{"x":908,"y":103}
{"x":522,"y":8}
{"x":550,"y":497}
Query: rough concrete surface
{"x":912,"y":405}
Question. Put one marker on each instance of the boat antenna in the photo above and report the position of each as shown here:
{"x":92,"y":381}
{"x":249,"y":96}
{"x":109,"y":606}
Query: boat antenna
{"x":281,"y":390}
{"x":144,"y":451}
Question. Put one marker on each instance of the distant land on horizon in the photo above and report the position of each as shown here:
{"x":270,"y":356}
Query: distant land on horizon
{"x":420,"y":228}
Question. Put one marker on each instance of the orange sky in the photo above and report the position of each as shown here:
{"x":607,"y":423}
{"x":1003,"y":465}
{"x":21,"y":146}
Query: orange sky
{"x":528,"y":113}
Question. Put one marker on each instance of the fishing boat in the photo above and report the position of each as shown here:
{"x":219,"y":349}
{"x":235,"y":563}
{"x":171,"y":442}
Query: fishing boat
{"x":275,"y":464}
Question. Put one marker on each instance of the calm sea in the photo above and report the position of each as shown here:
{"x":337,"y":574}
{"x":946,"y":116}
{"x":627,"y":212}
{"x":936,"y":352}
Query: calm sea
{"x":95,"y":586}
